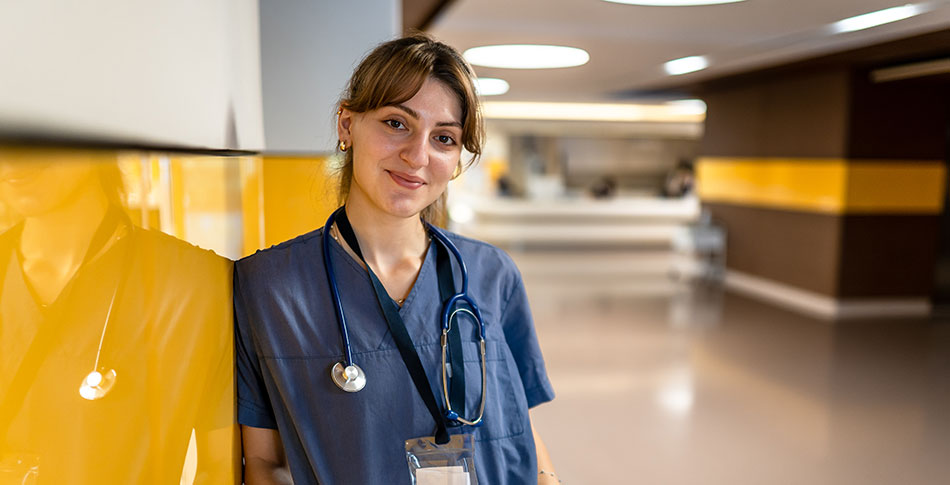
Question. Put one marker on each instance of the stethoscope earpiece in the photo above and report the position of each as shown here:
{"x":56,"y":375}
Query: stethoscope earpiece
{"x":97,"y":384}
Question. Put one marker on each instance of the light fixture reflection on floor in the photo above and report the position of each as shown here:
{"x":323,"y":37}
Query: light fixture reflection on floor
{"x":676,"y":394}
{"x":526,"y":56}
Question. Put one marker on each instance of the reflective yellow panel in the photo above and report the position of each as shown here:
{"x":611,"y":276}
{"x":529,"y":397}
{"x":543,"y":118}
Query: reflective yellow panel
{"x":115,"y":340}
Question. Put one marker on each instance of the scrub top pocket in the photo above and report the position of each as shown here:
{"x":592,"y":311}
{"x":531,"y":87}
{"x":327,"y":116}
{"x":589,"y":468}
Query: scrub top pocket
{"x":505,"y":402}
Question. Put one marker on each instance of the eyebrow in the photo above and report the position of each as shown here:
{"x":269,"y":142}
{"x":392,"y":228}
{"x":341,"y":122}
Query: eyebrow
{"x":411,"y":112}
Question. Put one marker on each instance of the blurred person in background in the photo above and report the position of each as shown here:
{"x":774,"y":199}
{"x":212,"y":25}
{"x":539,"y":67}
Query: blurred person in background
{"x":679,"y":181}
{"x":409,"y":109}
{"x":604,"y":188}
{"x":115,"y":342}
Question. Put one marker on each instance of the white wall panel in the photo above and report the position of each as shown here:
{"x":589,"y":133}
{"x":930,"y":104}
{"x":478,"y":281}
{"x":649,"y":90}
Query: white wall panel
{"x":175,"y":72}
{"x":309,"y":50}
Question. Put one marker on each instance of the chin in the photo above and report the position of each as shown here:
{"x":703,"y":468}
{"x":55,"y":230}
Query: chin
{"x":407,"y":209}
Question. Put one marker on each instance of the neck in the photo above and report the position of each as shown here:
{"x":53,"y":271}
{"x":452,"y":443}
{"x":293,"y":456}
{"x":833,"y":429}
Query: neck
{"x":53,"y":244}
{"x":386,"y":240}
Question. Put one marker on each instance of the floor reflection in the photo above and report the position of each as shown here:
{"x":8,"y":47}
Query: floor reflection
{"x":686,"y":384}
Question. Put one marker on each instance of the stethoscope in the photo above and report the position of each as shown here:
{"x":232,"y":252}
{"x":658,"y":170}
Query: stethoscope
{"x":98,"y":382}
{"x":350,"y":377}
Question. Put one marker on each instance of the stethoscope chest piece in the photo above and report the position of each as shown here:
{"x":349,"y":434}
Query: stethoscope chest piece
{"x":350,"y":378}
{"x":97,"y":384}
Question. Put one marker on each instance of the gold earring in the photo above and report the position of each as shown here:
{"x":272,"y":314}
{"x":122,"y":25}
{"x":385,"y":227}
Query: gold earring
{"x":342,"y":146}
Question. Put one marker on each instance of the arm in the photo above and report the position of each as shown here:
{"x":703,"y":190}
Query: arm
{"x":546,"y":473}
{"x":264,"y":460}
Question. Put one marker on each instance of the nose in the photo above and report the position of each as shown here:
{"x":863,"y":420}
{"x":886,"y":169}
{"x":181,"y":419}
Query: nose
{"x":416,"y":150}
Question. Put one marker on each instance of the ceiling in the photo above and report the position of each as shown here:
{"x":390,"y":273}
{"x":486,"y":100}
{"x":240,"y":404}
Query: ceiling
{"x":629,"y":44}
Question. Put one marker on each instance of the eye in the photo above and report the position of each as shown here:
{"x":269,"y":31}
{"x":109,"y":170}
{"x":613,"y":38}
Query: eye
{"x":395,"y":124}
{"x":445,"y":140}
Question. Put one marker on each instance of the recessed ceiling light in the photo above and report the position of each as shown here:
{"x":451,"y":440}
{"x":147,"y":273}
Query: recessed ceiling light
{"x":673,"y":3}
{"x":491,"y":86}
{"x":685,"y":65}
{"x":873,"y":19}
{"x":524,"y":56}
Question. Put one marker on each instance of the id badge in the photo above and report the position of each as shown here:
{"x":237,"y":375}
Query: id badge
{"x":450,"y":464}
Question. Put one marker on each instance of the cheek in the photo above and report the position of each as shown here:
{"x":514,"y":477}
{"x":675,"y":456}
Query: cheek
{"x":369,"y":149}
{"x":446,"y":166}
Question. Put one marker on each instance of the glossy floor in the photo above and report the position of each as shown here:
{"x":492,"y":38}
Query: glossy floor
{"x":665,"y":383}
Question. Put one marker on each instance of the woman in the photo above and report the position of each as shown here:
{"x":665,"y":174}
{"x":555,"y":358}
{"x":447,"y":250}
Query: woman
{"x":408,"y":111}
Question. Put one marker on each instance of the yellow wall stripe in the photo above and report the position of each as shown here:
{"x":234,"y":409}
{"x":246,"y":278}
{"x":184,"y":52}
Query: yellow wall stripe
{"x":825,"y":185}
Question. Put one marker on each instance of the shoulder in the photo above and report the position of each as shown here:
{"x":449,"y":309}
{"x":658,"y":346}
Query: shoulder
{"x":490,"y":257}
{"x":186,"y":292}
{"x":280,"y":255}
{"x":492,"y":272}
{"x":175,"y":255}
{"x":286,"y":265}
{"x":179,"y":267}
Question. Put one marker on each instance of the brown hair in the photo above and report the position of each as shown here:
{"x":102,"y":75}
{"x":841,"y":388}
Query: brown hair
{"x":393,"y":73}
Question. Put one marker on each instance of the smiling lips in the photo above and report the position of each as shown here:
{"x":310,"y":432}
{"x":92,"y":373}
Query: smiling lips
{"x":406,"y":180}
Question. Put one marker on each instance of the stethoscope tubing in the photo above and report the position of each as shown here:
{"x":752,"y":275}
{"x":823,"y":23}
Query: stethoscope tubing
{"x":447,"y":315}
{"x":450,"y":413}
{"x":335,"y":290}
{"x":461,"y":296}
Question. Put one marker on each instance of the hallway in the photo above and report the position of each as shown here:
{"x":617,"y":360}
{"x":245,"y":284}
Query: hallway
{"x":688,"y":384}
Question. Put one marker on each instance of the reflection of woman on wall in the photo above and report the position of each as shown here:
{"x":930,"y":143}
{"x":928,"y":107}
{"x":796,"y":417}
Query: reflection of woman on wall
{"x":75,"y":275}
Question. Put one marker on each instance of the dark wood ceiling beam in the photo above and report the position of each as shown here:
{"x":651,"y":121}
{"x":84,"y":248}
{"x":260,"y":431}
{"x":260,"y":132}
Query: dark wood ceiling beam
{"x":419,"y":14}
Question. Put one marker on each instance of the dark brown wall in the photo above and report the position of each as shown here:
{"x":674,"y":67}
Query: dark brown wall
{"x":834,"y":113}
{"x":793,"y":248}
{"x":900,"y":119}
{"x":418,"y":14}
{"x":894,"y":255}
{"x":887,"y":255}
{"x":789,"y":116}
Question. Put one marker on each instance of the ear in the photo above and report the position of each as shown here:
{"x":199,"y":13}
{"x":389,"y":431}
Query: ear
{"x":344,"y":121}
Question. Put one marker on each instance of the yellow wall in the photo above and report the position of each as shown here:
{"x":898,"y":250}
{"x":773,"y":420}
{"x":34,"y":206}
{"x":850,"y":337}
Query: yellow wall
{"x":285,"y":196}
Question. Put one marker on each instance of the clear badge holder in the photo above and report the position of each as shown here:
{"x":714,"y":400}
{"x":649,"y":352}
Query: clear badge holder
{"x":450,"y":464}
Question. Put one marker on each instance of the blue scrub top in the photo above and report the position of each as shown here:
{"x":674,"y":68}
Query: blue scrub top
{"x":288,"y":338}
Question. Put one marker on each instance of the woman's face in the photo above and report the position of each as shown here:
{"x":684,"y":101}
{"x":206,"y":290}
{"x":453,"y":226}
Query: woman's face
{"x":34,"y":182}
{"x":404,"y":155}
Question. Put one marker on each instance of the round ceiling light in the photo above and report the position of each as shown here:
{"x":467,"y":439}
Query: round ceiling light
{"x":491,"y":86}
{"x":673,"y":3}
{"x":525,"y":56}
